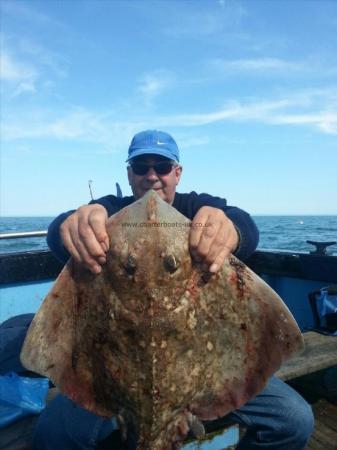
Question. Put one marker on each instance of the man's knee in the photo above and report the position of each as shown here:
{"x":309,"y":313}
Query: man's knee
{"x":277,"y":418}
{"x":300,"y":423}
{"x":293,"y":423}
{"x":49,"y":430}
{"x":65,"y":425}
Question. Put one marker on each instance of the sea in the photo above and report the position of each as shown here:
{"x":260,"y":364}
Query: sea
{"x":276,"y":232}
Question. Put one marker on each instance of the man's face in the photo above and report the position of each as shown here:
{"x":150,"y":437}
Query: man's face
{"x":164,"y":185}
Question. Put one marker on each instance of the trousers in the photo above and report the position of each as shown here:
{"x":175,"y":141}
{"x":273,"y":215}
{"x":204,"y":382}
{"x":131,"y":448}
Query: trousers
{"x":278,"y":418}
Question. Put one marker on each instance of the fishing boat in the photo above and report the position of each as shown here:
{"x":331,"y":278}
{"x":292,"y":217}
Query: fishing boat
{"x":26,"y":277}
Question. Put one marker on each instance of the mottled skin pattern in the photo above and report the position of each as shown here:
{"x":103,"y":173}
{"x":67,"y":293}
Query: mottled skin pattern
{"x":155,"y":339}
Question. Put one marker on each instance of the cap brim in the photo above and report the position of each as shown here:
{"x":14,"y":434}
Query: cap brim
{"x":153,"y":151}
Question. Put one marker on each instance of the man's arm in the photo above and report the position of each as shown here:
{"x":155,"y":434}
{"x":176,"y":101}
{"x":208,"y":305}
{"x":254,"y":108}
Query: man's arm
{"x":54,"y":240}
{"x":247,"y":230}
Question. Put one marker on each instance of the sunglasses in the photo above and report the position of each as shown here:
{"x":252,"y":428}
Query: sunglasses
{"x":161,"y":168}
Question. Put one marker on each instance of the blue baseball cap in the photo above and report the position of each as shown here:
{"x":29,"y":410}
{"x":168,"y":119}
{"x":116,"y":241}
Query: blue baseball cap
{"x":153,"y":142}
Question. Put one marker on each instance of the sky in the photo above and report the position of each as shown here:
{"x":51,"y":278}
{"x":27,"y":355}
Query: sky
{"x":247,"y":88}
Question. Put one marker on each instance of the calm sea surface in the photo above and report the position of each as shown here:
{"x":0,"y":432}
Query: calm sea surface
{"x":276,"y":232}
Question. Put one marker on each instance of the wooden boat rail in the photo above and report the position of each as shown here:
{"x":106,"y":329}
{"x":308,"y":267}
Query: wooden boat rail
{"x":319,"y":352}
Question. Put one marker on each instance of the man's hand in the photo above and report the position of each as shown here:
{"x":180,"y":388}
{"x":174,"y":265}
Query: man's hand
{"x":212,"y":237}
{"x":84,"y":235}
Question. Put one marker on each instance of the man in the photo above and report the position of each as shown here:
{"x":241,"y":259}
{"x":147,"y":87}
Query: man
{"x":154,"y":164}
{"x":278,"y":418}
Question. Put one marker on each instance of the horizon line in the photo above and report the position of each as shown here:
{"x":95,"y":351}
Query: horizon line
{"x":251,"y":214}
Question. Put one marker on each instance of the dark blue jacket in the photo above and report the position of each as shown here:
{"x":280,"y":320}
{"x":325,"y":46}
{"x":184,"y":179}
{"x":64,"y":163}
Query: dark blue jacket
{"x":186,"y":204}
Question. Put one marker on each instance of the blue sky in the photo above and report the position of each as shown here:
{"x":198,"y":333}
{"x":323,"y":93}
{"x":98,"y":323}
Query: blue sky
{"x":247,"y":88}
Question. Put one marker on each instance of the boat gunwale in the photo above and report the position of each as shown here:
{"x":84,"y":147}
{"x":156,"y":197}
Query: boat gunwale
{"x":38,"y":265}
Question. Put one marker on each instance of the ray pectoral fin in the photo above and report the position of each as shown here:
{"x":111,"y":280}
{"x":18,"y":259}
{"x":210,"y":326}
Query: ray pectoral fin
{"x":49,"y":325}
{"x":155,"y":337}
{"x":247,"y":333}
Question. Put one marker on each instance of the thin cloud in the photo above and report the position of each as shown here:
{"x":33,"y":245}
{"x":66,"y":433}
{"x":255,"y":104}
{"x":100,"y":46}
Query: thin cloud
{"x":75,"y":125}
{"x":25,"y":11}
{"x":324,"y":121}
{"x":329,"y":127}
{"x":231,"y":67}
{"x":250,"y":111}
{"x":151,"y":86}
{"x":154,"y":83}
{"x":48,"y":59}
{"x":26,"y":67}
{"x":80,"y":125}
{"x":316,"y":109}
{"x":179,"y":20}
{"x":21,"y":76}
{"x":12,"y":70}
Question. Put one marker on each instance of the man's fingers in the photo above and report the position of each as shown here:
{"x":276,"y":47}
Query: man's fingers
{"x":194,"y":238}
{"x":219,"y":260}
{"x":105,"y":244}
{"x":207,"y":238}
{"x":85,"y":257}
{"x":201,"y":232}
{"x":79,"y":253}
{"x":88,"y":239}
{"x":225,"y":238}
{"x":214,"y":240}
{"x":223,"y":245}
{"x":97,"y":223}
{"x":92,"y":231}
{"x":70,"y":246}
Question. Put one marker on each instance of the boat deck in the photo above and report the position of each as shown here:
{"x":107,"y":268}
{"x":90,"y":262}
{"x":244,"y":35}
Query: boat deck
{"x":325,"y":433}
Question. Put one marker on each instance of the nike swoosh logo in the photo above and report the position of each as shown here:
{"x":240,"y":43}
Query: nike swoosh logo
{"x":161,"y":143}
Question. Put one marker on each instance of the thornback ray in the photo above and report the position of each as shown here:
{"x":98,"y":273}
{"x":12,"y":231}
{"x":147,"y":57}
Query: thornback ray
{"x":153,"y":338}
